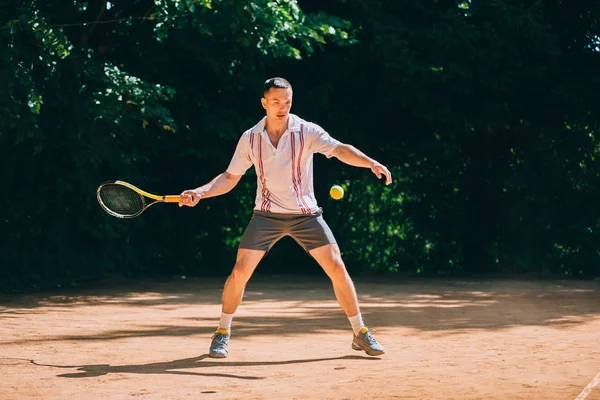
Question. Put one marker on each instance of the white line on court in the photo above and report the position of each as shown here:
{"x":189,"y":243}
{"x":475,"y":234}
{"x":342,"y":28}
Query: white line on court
{"x":589,"y":388}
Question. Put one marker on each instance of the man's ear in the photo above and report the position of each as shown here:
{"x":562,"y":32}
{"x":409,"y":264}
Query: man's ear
{"x":263,"y":101}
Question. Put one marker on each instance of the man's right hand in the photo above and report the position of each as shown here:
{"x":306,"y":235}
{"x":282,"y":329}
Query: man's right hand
{"x":189,"y":198}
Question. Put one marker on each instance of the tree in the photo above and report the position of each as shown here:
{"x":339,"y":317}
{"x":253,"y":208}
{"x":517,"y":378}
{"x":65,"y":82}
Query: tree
{"x":134,"y":90}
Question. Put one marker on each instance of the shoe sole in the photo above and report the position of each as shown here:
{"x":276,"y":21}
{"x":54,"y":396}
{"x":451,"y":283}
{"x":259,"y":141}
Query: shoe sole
{"x":217,"y":355}
{"x":369,"y":352}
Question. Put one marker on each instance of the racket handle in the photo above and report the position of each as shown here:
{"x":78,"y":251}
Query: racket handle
{"x":171,"y":199}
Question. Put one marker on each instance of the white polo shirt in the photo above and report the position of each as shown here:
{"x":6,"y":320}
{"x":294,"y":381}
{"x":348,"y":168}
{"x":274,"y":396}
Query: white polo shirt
{"x":284,"y":174}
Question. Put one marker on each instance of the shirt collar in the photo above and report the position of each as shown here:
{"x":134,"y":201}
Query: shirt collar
{"x":293,"y":124}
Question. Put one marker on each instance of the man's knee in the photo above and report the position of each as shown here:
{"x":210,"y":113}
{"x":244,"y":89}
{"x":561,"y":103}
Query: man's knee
{"x":244,"y":267}
{"x":335,"y":267}
{"x":330,"y":259}
{"x":241,"y":272}
{"x":338,"y":269}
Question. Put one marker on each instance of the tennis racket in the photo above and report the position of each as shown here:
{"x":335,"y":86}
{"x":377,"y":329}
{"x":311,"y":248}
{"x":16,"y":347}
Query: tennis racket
{"x":123,"y":200}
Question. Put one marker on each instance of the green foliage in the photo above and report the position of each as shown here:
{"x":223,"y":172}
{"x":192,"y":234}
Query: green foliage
{"x":274,"y":28}
{"x":471,"y":108}
{"x":140,"y":91}
{"x":486,"y":112}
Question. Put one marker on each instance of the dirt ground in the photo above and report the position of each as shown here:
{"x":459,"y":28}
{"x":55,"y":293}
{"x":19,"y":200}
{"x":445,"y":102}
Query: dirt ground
{"x":448,"y":339}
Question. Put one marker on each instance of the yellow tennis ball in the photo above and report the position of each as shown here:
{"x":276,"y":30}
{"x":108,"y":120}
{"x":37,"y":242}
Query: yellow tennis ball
{"x":336,"y":192}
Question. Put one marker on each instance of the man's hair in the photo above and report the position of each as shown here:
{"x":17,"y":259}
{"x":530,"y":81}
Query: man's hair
{"x":278,"y":83}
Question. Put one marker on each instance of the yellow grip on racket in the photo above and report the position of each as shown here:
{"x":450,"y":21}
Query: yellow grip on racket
{"x":171,"y":199}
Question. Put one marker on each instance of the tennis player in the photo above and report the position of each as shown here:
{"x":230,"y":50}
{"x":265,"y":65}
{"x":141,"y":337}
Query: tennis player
{"x":281,"y":148}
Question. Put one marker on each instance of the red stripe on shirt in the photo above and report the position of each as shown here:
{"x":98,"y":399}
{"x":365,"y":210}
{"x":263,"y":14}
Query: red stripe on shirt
{"x":295,"y":183}
{"x":299,"y":169}
{"x":266,"y":204}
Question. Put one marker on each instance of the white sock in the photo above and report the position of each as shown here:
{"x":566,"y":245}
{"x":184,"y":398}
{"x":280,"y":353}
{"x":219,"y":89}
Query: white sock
{"x":225,"y":321}
{"x":357,"y":323}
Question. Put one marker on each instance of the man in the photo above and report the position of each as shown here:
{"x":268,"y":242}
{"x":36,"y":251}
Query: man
{"x":281,"y":147}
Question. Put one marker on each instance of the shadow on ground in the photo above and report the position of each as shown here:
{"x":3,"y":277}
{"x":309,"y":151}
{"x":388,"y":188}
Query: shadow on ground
{"x":307,"y":305}
{"x":175,"y":367}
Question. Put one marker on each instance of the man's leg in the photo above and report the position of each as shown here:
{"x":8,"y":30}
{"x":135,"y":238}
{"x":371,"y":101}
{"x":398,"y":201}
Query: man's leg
{"x":330,"y":259}
{"x":245,"y":264}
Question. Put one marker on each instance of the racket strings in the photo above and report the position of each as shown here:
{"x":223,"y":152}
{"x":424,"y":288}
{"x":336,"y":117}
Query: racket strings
{"x":121,"y":200}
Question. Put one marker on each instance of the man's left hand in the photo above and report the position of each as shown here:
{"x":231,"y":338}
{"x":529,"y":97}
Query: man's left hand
{"x":380,"y":170}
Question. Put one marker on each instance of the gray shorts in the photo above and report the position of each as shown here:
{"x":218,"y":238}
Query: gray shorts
{"x":266,"y":228}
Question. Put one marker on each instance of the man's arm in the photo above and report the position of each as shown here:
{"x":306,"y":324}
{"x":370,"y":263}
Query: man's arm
{"x":352,"y":156}
{"x":222,"y":184}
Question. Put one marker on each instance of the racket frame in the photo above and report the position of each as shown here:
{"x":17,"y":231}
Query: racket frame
{"x":156,"y":198}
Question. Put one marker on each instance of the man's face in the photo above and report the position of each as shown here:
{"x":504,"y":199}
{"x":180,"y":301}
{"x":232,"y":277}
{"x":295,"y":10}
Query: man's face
{"x":277,"y":102}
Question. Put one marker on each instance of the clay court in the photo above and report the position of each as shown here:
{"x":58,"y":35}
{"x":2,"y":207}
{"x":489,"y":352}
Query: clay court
{"x":448,"y":339}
